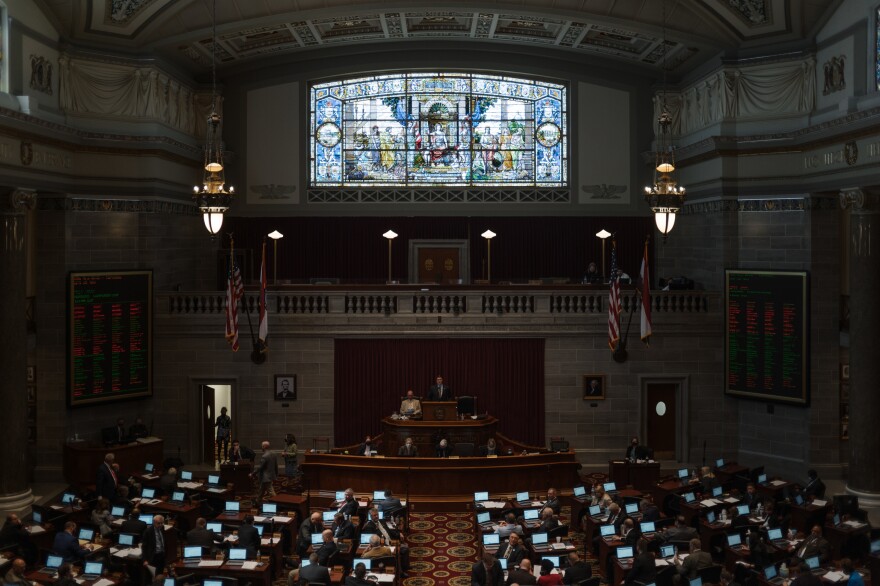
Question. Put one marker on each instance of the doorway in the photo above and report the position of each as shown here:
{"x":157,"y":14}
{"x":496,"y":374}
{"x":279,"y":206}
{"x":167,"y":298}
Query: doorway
{"x":439,"y":261}
{"x":662,"y":425}
{"x":214,"y":397}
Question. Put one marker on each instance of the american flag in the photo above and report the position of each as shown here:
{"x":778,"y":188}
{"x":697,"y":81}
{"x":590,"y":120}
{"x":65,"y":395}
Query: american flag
{"x":264,"y":314}
{"x":234,"y":292}
{"x":644,"y":274}
{"x":614,"y":301}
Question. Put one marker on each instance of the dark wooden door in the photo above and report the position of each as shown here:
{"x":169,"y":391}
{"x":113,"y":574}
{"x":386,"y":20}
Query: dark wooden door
{"x":661,"y":420}
{"x":208,"y":417}
{"x":439,"y":265}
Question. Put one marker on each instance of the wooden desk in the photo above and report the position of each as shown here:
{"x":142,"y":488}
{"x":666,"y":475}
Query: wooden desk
{"x":185,"y":514}
{"x":239,"y":475}
{"x":803,"y":517}
{"x":605,"y":549}
{"x":439,"y":410}
{"x":291,"y":502}
{"x":261,"y":575}
{"x":426,"y":434}
{"x":442,"y":477}
{"x":639,"y":475}
{"x":840,"y":535}
{"x":727,"y":472}
{"x":80,"y":460}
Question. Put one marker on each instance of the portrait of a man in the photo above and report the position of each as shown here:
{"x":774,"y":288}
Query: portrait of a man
{"x":285,"y":387}
{"x":594,"y":387}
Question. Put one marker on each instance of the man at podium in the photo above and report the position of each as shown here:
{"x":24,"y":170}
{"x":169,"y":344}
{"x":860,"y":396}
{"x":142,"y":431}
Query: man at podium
{"x":439,"y":391}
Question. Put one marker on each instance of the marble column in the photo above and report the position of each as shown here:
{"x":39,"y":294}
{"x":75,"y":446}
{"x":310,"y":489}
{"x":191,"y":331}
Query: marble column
{"x":863,"y":478}
{"x":15,"y":494}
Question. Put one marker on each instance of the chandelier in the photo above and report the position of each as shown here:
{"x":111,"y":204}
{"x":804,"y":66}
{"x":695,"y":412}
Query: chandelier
{"x":665,"y":196}
{"x":213,"y":196}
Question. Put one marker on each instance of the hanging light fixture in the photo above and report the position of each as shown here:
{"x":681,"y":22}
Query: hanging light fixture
{"x":213,"y":196}
{"x":665,"y":196}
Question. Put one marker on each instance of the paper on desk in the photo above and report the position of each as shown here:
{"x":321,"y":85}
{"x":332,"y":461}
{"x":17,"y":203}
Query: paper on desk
{"x":661,"y":563}
{"x":249,"y":565}
{"x":210,"y":563}
{"x":189,"y":484}
{"x":731,"y":499}
{"x":853,"y":523}
{"x":151,"y":476}
{"x":279,"y":519}
{"x":709,"y":502}
{"x":57,"y":507}
{"x":835,"y":576}
{"x":34,"y":529}
{"x":819,"y":503}
{"x":777,"y":482}
{"x":215,"y":489}
{"x":493,"y":504}
{"x":267,"y":541}
{"x":103,"y":582}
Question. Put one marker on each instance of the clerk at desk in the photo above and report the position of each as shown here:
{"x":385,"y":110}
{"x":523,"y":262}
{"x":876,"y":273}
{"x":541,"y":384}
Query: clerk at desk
{"x":411,"y":407}
{"x":439,"y":391}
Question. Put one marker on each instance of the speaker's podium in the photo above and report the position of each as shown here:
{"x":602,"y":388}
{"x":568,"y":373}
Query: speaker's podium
{"x":439,"y":410}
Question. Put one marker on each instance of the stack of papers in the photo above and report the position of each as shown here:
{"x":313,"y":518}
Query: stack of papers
{"x":493,"y":504}
{"x":103,"y":582}
{"x":731,"y":499}
{"x":660,"y":563}
{"x":819,"y":503}
{"x":710,"y":502}
{"x":34,"y":529}
{"x":249,"y":565}
{"x":835,"y":576}
{"x":132,"y":552}
{"x":777,"y":482}
{"x":210,"y":563}
{"x":189,"y":484}
{"x":853,"y":523}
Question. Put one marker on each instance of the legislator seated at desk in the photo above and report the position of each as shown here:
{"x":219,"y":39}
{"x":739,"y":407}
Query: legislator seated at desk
{"x":408,"y":449}
{"x":411,"y":406}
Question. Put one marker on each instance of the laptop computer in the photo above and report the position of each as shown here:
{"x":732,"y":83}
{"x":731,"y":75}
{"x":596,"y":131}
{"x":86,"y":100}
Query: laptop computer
{"x":696,"y":582}
{"x":215,"y":527}
{"x":53,"y":562}
{"x":610,"y":487}
{"x":734,"y":541}
{"x":667,"y":551}
{"x":625,"y":553}
{"x":717,"y":491}
{"x":815,"y":566}
{"x":531,"y":514}
{"x":798,"y":499}
{"x":192,"y":554}
{"x":596,"y":511}
{"x":85,"y":535}
{"x":762,"y":479}
{"x":169,"y":582}
{"x":148,"y":468}
{"x":368,"y":563}
{"x":553,"y":559}
{"x":126,"y":540}
{"x":607,"y":531}
{"x":213,"y":480}
{"x":491,"y":540}
{"x":836,"y":519}
{"x":146,"y":518}
{"x":37,"y":517}
{"x":539,"y":539}
{"x":269,"y":509}
{"x":683,"y":474}
{"x":186,"y":475}
{"x":237,"y":556}
{"x":689,"y":497}
{"x":484,"y":518}
{"x":648,"y":528}
{"x":711,"y":519}
{"x":365,"y":538}
{"x":481,"y":497}
{"x":340,"y":496}
{"x":305,"y":562}
{"x":210,"y":582}
{"x":92,"y":570}
{"x":317,"y":539}
{"x":631,"y":508}
{"x":523,"y":498}
{"x":148,"y":493}
{"x":260,"y":529}
{"x":579,"y":491}
{"x":68,"y":498}
{"x":378,"y":495}
{"x":177,"y":497}
{"x":742,"y":510}
{"x":771,"y":574}
{"x":231,"y":508}
{"x":327,"y":516}
{"x":875,"y":546}
{"x":117,"y":511}
{"x":719,"y":463}
{"x":775,"y":537}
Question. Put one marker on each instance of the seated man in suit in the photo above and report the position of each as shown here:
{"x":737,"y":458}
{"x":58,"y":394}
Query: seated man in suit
{"x":375,"y":549}
{"x":408,"y":449}
{"x":487,"y":571}
{"x":548,"y":521}
{"x":522,"y":574}
{"x":629,"y":533}
{"x":201,"y":535}
{"x":707,"y":479}
{"x":490,"y":449}
{"x":513,"y":551}
{"x":644,"y":569}
{"x":444,"y":450}
{"x":366,"y":448}
{"x":138,"y":429}
{"x":806,"y":577}
{"x":439,"y":391}
{"x":168,"y":481}
{"x":313,"y":573}
{"x":695,"y":561}
{"x":389,"y":533}
{"x":815,"y":488}
{"x":391,"y":502}
{"x":578,"y":570}
{"x":14,"y":535}
{"x":349,"y":505}
{"x":342,"y":528}
{"x":410,"y":406}
{"x":67,"y":545}
{"x":635,"y":451}
{"x":509,"y":525}
{"x":681,"y":531}
{"x":358,"y":576}
{"x":313,"y":524}
{"x":751,"y":496}
{"x":650,"y":511}
{"x":133,"y":524}
{"x":813,"y":545}
{"x":327,"y":548}
{"x":553,"y":501}
{"x":249,"y":537}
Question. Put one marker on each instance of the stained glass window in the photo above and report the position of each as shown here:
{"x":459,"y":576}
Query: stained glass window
{"x":877,"y":48}
{"x":438,"y":129}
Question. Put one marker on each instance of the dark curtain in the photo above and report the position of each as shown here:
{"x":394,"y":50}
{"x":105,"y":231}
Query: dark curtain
{"x":353,"y":250}
{"x":506,"y":376}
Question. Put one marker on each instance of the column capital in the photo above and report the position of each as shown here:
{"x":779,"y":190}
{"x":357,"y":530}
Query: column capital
{"x":18,"y":201}
{"x":860,"y":199}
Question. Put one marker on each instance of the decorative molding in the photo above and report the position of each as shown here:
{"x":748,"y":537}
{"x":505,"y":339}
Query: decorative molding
{"x":527,"y":195}
{"x":123,"y":11}
{"x":752,"y":12}
{"x":766,"y":204}
{"x":603,"y":191}
{"x":835,"y":79}
{"x":138,"y":206}
{"x":22,"y":200}
{"x":41,"y":74}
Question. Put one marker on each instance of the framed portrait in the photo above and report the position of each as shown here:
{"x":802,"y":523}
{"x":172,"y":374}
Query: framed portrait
{"x":594,"y":387}
{"x":31,"y":374}
{"x":844,"y":372}
{"x":285,"y":387}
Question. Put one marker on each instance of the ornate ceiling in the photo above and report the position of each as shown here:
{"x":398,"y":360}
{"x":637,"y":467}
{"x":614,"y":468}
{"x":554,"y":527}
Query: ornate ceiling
{"x":628,"y":31}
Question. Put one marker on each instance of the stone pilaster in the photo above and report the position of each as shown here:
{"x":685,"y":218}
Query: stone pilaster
{"x":864,"y":407}
{"x":15,"y":494}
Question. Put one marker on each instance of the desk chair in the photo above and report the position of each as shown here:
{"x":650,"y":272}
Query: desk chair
{"x":463,"y":449}
{"x":558,"y":531}
{"x":226,"y":580}
{"x":558,"y":444}
{"x":388,"y":561}
{"x":593,"y":581}
{"x":710,"y":575}
{"x":317,"y":442}
{"x":467,"y":405}
{"x":665,"y":576}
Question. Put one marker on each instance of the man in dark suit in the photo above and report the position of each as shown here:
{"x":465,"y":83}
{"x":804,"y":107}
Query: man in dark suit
{"x":67,"y":545}
{"x":107,"y":482}
{"x":487,"y":571}
{"x":643,"y":570}
{"x":120,"y":435}
{"x":615,"y":517}
{"x":201,"y":535}
{"x":553,"y":501}
{"x":513,"y":552}
{"x":751,"y":496}
{"x":650,"y":511}
{"x":249,"y":537}
{"x":327,"y":549}
{"x":815,"y":487}
{"x":153,"y":545}
{"x":629,"y":533}
{"x":408,"y":449}
{"x":168,"y":481}
{"x":311,"y":525}
{"x":813,"y":545}
{"x":439,"y":391}
{"x":342,"y":528}
{"x":490,"y":449}
{"x":358,"y":576}
{"x":578,"y":570}
{"x":389,"y":533}
{"x":681,"y":531}
{"x":314,"y":572}
{"x":635,"y":451}
{"x":444,"y":450}
{"x":805,"y":577}
{"x":349,"y":505}
{"x":266,"y":472}
{"x":138,"y":429}
{"x":391,"y":502}
{"x":366,"y":446}
{"x":133,"y":524}
{"x":522,"y":574}
{"x":16,"y":536}
{"x":548,"y":521}
{"x":696,"y":560}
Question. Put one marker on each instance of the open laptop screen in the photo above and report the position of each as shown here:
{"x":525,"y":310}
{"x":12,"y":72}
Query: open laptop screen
{"x":734,"y":539}
{"x":213,"y":479}
{"x":683,"y":473}
{"x":689,"y":497}
{"x":606,"y":530}
{"x":717,"y":491}
{"x":667,"y":551}
{"x":93,"y":568}
{"x":192,"y":552}
{"x":270,"y":508}
{"x":118,"y":511}
{"x":38,"y":517}
{"x":368,"y":563}
{"x":770,"y":572}
{"x":484,"y":517}
{"x":610,"y":486}
{"x":539,"y":538}
{"x":231,"y":507}
{"x":710,"y":517}
{"x":215,"y":527}
{"x":481,"y":496}
{"x":595,"y":510}
{"x":148,"y":467}
{"x":632,"y":508}
{"x":317,"y":539}
{"x":742,"y":510}
{"x":146,"y":518}
{"x":491,"y":539}
{"x":696,"y":582}
{"x":328,"y":516}
{"x":553,"y":559}
{"x":762,"y":479}
{"x":68,"y":498}
{"x":522,"y":497}
{"x":148,"y":493}
{"x":719,"y":463}
{"x":365,"y":538}
{"x":579,"y":491}
{"x":774,"y":534}
{"x":186,"y":475}
{"x":177,"y":496}
{"x":86,"y":534}
{"x":378,"y":495}
{"x":625,"y":552}
{"x":530,"y":514}
{"x":648,"y":527}
{"x":126,"y":539}
{"x":813,"y":562}
{"x":237,"y":553}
